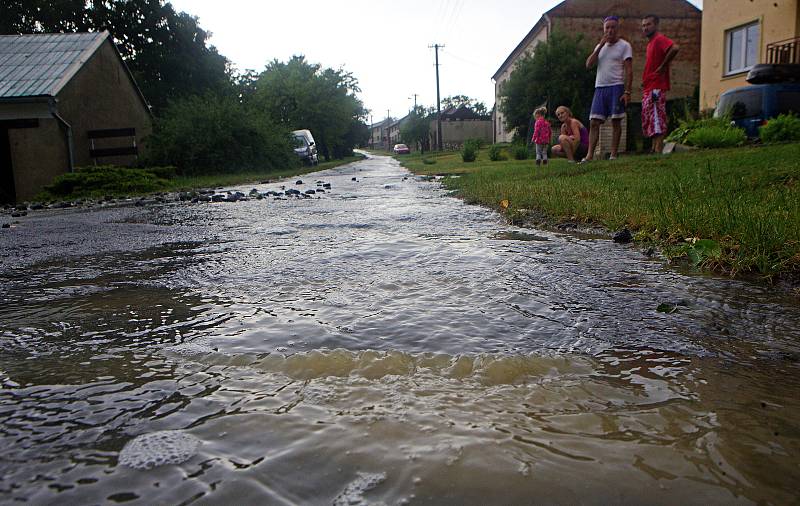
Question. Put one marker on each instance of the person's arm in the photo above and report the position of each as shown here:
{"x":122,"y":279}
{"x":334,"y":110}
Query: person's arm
{"x":626,"y":95}
{"x":671,"y":53}
{"x":576,"y":130}
{"x":591,"y":61}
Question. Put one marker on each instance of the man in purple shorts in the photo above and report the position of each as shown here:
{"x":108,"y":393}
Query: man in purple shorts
{"x":614,"y":59}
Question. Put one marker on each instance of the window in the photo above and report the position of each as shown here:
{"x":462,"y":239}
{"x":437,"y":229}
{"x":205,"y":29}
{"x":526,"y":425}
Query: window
{"x":741,"y":48}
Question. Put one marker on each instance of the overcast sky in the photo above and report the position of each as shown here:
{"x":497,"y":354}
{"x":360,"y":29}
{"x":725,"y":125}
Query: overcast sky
{"x":383,"y":44}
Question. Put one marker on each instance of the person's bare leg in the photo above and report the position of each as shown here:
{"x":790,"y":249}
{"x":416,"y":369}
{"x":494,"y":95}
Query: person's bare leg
{"x":616,"y":135}
{"x":594,"y":136}
{"x":658,"y":143}
{"x":566,"y":145}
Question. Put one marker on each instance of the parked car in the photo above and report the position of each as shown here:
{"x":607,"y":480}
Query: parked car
{"x":305,"y":147}
{"x":401,"y":149}
{"x":775,"y":91}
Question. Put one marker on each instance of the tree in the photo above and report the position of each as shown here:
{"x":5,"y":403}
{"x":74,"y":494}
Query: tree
{"x":472,"y":104}
{"x":212,"y":134}
{"x":297,"y":94}
{"x":167,"y":51}
{"x":416,"y":128}
{"x":554,"y":75}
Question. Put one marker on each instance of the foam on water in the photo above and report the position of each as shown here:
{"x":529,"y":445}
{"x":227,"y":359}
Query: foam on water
{"x":353,"y":494}
{"x":158,"y":449}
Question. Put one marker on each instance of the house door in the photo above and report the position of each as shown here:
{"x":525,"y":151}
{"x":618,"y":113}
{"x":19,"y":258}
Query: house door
{"x":8,"y":194}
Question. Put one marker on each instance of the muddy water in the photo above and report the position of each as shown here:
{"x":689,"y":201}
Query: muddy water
{"x":383,"y":343}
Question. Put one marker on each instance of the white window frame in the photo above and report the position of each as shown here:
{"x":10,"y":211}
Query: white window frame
{"x":742,"y":66}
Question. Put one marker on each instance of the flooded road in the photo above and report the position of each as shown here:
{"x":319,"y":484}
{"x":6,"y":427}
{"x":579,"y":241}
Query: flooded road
{"x":380,"y":342}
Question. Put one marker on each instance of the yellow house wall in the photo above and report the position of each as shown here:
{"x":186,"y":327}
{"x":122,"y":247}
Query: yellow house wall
{"x":779,"y":20}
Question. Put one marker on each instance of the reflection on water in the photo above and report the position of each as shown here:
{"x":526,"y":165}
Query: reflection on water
{"x":383,"y":343}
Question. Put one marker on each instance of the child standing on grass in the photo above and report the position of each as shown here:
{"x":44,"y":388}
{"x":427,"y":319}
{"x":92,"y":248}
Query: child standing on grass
{"x":541,"y":135}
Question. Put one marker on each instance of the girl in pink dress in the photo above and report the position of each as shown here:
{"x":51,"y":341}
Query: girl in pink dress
{"x":541,"y":135}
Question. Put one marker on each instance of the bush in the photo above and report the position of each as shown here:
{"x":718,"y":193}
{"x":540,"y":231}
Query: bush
{"x":470,"y":151}
{"x":785,"y":127}
{"x":496,"y":153}
{"x":428,"y":161}
{"x":212,"y":134}
{"x":685,"y":128}
{"x":716,"y":137}
{"x":521,"y":152}
{"x":164,"y":172}
{"x":103,"y":180}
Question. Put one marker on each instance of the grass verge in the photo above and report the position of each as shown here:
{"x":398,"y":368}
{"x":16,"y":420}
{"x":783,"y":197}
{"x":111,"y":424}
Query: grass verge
{"x":98,"y":182}
{"x":732,"y":210}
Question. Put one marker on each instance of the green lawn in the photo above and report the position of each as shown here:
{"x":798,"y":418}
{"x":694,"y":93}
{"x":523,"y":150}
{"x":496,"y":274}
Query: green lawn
{"x":98,"y":182}
{"x":183,"y":183}
{"x":733,"y":210}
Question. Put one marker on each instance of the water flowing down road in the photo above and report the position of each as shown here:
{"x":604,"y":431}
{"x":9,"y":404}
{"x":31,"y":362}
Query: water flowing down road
{"x":380,"y":341}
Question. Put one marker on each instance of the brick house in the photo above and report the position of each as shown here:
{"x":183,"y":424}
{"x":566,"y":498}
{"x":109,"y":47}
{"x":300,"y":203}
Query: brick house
{"x":680,"y":20}
{"x":66,"y":100}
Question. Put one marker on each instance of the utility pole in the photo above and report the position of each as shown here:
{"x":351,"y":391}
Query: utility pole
{"x":415,"y":100}
{"x":438,"y":100}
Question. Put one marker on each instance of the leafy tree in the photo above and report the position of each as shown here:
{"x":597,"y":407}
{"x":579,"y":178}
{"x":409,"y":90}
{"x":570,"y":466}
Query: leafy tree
{"x":297,"y":94}
{"x":167,"y":51}
{"x":472,"y":104}
{"x":554,"y":75}
{"x":416,"y":128}
{"x":214,"y":134}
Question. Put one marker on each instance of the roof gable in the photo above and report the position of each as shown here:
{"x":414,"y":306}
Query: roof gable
{"x":41,"y":64}
{"x":624,"y":8}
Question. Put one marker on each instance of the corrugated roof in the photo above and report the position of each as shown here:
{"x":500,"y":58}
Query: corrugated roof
{"x":41,"y":64}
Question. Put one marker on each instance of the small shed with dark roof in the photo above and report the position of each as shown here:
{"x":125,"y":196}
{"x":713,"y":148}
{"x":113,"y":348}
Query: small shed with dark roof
{"x":66,"y":100}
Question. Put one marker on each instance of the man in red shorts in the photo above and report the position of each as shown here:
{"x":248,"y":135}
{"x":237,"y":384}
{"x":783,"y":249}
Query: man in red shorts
{"x":655,"y":81}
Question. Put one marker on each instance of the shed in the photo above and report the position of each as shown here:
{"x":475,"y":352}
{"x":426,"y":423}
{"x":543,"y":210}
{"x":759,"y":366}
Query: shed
{"x":66,"y":100}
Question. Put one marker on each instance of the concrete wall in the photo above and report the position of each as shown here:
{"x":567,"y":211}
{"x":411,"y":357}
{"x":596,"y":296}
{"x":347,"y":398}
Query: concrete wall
{"x":779,"y":20}
{"x":101,"y":96}
{"x":456,"y":132}
{"x":37,"y":156}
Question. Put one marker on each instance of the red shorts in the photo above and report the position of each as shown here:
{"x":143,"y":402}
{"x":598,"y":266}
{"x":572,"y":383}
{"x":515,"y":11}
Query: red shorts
{"x":654,"y":113}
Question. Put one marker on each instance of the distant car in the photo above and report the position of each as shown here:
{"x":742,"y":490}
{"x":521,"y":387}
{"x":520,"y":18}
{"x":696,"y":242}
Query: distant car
{"x":401,"y":149}
{"x":305,"y":147}
{"x":775,"y":90}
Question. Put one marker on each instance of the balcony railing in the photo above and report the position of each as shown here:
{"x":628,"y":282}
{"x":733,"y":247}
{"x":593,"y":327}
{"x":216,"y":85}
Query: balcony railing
{"x":784,"y":51}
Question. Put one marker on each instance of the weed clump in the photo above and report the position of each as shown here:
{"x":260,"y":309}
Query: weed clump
{"x":716,"y":137}
{"x":784,"y":128}
{"x":470,"y":151}
{"x":102,"y":180}
{"x":495,"y":153}
{"x":521,"y":152}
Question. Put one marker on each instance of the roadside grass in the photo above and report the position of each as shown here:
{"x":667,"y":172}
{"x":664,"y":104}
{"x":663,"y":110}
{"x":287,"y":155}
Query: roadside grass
{"x":184,"y":183}
{"x":98,"y":182}
{"x":733,"y":210}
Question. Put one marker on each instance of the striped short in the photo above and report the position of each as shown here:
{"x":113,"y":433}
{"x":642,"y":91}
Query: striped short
{"x":654,"y":113}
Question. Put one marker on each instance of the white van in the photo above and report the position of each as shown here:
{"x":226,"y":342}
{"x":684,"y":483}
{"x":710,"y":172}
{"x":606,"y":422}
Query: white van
{"x":305,"y":147}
